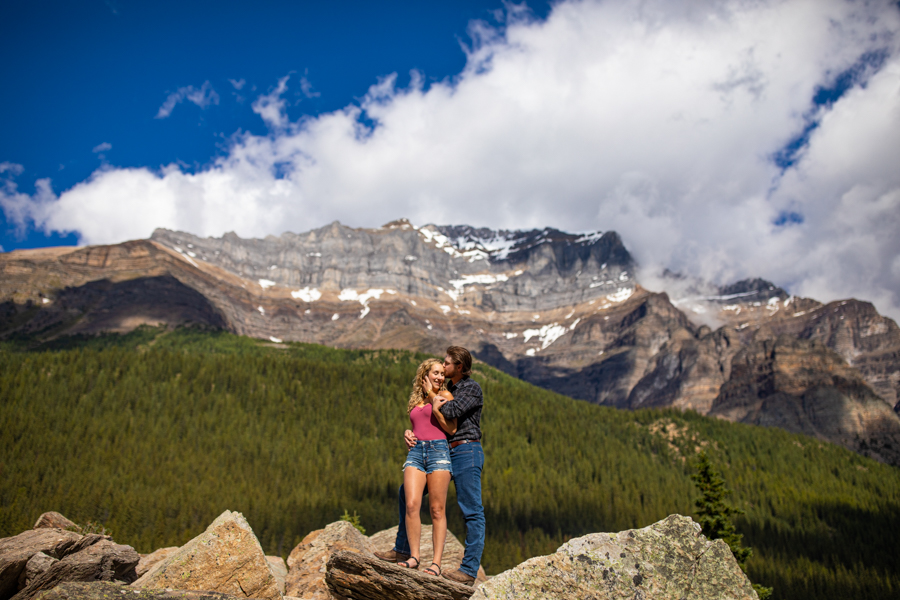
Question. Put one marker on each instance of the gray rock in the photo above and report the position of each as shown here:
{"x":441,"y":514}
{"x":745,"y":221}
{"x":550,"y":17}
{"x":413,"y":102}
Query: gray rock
{"x":669,"y":560}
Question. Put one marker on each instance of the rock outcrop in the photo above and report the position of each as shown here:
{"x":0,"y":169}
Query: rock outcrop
{"x":669,"y":560}
{"x":102,"y":590}
{"x":226,"y":558}
{"x":353,"y":575}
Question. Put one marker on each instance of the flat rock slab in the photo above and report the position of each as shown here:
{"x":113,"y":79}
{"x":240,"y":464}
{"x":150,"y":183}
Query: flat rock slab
{"x":103,"y":560}
{"x":102,"y":590}
{"x":669,"y":560}
{"x":16,"y":551}
{"x":226,"y":558}
{"x":361,"y":577}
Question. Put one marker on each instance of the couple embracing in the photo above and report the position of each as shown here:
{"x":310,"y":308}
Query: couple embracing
{"x":445,"y":442}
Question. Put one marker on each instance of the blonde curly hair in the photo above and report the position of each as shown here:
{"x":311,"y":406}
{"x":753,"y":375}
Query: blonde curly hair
{"x":417,"y":396}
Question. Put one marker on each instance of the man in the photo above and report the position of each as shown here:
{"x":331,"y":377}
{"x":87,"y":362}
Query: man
{"x":467,"y":457}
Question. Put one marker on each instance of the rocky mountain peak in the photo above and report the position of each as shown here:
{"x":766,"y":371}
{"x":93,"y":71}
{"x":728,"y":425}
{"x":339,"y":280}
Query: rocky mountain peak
{"x":452,"y":264}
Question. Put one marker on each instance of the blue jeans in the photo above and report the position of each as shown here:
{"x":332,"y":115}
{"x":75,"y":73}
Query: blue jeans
{"x":468,"y":463}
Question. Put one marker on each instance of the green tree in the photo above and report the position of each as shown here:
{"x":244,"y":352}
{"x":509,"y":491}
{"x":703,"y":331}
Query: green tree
{"x":715,"y":515}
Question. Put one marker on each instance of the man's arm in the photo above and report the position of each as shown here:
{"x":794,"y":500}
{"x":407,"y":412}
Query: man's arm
{"x":466,"y":400}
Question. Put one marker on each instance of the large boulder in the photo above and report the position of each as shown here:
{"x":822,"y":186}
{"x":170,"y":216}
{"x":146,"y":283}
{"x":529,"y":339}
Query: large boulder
{"x":103,"y":590}
{"x":358,"y":576}
{"x":16,"y":551}
{"x":306,"y":563}
{"x":97,"y":558}
{"x":225,"y":558}
{"x":669,"y":560}
{"x":453,"y":549}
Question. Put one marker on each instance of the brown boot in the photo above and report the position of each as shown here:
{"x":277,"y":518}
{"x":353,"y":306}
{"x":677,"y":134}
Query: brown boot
{"x":460,"y":577}
{"x":391,"y":556}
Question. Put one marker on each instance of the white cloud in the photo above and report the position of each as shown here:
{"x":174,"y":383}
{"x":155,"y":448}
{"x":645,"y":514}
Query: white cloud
{"x":307,"y":88}
{"x":270,"y":107}
{"x":237,"y":83}
{"x":104,"y":147}
{"x":658,"y":119}
{"x":202,"y":97}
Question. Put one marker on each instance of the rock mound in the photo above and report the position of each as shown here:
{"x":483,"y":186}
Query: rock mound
{"x":226,"y":558}
{"x":669,"y":560}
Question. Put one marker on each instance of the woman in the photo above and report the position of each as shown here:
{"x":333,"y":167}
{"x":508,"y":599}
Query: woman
{"x":428,"y":462}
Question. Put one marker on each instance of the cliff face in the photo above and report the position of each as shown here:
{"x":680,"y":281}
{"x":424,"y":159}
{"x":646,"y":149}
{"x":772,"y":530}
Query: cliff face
{"x":560,"y":310}
{"x":805,"y":387}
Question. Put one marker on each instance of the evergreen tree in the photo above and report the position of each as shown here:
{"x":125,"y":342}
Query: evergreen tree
{"x":715,"y":515}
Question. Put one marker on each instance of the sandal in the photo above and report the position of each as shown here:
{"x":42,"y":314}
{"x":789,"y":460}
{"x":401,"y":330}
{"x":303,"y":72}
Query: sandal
{"x":406,"y":564}
{"x":432,"y":571}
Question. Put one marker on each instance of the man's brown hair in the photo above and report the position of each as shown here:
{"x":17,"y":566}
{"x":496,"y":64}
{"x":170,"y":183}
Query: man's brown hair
{"x":461,"y":357}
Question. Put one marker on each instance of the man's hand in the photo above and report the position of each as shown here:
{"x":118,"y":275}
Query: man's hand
{"x":438,"y":402}
{"x":410,"y":438}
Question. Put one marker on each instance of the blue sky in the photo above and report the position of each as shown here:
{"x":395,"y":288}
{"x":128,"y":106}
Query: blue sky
{"x":97,"y":72}
{"x":722,"y":139}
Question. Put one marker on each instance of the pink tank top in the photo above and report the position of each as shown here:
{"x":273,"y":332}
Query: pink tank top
{"x":425,"y":425}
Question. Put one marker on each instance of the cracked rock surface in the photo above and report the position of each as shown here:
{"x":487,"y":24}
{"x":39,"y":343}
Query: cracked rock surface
{"x":670,"y":559}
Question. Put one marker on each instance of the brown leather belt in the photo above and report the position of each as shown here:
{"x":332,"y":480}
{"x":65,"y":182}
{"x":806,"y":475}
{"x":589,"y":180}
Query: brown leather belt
{"x":460,"y":442}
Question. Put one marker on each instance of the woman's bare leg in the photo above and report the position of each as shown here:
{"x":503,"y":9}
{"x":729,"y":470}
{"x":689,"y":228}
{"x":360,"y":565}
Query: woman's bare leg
{"x":414,"y":485}
{"x":438,"y":483}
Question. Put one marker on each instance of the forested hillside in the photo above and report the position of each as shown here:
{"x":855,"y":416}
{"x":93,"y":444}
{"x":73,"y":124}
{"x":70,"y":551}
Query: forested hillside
{"x":155,"y":433}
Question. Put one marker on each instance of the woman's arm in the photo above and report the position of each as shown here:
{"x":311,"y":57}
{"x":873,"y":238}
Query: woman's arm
{"x":448,"y":425}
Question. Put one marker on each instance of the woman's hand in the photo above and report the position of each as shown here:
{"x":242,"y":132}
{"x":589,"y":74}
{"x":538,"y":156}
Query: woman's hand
{"x":410,"y":438}
{"x":448,"y":425}
{"x":427,"y":387}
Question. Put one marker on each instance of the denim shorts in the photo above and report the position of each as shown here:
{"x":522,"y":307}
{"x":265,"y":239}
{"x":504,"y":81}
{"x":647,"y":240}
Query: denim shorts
{"x":429,"y":456}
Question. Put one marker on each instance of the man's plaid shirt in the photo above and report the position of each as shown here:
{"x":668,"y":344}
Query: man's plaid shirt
{"x":465,"y":408}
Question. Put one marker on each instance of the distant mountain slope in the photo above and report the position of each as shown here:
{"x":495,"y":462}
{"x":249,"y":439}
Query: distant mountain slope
{"x":563,"y":311}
